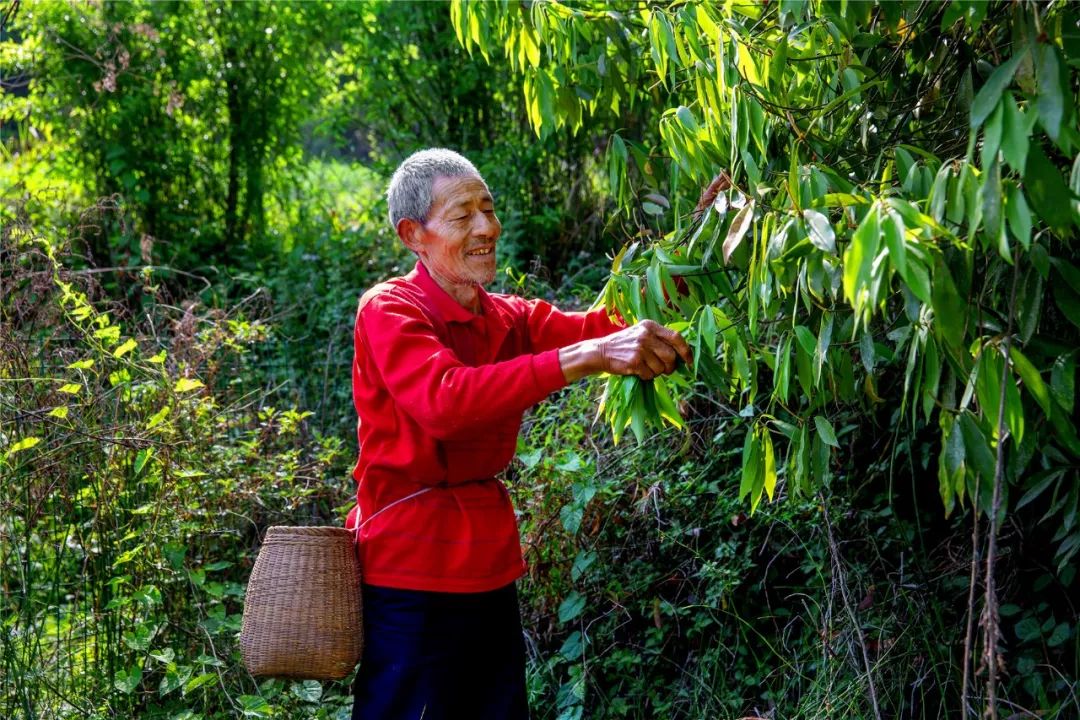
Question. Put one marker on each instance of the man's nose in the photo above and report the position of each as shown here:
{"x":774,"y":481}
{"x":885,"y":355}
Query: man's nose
{"x":487,"y":226}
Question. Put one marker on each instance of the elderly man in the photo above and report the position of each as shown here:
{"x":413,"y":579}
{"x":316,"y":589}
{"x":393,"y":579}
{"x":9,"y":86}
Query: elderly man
{"x":442,"y":373}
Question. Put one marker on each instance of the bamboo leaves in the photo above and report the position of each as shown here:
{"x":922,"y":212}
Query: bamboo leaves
{"x":990,"y":93}
{"x":851,"y":264}
{"x":758,"y":466}
{"x":738,"y":229}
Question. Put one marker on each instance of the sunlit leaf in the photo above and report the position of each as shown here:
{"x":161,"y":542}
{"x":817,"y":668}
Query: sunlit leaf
{"x":25,"y":444}
{"x":126,"y":347}
{"x":737,"y":231}
{"x":821,"y":232}
{"x":187,"y":385}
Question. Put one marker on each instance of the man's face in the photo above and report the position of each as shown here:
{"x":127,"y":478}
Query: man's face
{"x":457,"y":243}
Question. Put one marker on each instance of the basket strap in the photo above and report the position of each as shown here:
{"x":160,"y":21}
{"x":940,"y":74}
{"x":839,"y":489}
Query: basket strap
{"x":380,"y":511}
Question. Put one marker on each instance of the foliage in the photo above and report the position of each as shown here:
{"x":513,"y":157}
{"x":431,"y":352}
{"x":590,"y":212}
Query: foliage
{"x":190,"y":111}
{"x":878,"y":178}
{"x":652,"y":592}
{"x":402,"y":82}
{"x":137,"y":466}
{"x":851,"y":270}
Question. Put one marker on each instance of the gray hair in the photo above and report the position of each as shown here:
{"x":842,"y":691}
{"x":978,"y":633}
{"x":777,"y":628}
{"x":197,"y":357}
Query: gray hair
{"x":409,"y":194}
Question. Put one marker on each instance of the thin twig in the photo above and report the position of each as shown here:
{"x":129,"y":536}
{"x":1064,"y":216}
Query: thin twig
{"x":838,"y":571}
{"x":991,"y":608}
{"x":969,"y":634}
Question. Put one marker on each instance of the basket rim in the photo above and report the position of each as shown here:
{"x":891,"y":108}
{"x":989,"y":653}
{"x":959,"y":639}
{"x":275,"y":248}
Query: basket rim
{"x":307,"y":531}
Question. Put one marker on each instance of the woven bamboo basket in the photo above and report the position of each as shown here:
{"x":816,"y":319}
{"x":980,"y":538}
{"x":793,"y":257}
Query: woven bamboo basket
{"x":302,"y":610}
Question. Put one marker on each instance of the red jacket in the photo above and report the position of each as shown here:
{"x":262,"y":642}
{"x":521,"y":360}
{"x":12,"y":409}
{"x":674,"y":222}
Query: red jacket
{"x":440,"y":393}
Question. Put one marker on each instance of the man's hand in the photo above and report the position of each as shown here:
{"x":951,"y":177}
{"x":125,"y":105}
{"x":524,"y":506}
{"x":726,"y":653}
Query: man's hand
{"x":646,"y":349}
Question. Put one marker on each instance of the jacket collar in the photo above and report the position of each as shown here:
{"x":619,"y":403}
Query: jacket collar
{"x":449,"y":308}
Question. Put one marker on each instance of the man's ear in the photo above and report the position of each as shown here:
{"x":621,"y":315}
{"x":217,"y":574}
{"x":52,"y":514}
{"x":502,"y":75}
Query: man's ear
{"x":409,"y":232}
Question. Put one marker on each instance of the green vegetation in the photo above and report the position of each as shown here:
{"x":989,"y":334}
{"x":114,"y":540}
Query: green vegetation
{"x":860,"y":501}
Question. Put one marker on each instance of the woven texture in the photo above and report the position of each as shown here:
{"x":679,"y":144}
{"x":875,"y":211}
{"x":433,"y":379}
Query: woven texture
{"x":302,"y":612}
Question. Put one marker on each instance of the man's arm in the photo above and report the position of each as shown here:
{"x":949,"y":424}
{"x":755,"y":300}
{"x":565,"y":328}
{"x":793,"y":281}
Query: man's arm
{"x":592,"y":343}
{"x":433,"y":385}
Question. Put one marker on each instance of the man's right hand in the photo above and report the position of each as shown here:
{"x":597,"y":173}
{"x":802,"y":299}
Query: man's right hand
{"x":646,"y":349}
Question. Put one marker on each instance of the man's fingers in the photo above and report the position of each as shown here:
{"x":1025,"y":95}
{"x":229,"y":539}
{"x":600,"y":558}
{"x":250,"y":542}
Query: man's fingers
{"x":666,"y":354}
{"x":677,"y":343}
{"x":655,"y":364}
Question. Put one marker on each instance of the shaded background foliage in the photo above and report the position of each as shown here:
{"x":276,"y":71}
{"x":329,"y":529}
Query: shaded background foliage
{"x":193,"y":202}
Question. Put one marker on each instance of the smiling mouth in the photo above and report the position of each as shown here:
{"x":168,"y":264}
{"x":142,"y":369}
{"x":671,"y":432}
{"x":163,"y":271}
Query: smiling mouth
{"x":485,"y":251}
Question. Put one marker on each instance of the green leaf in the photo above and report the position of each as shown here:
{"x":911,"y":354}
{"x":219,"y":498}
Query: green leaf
{"x":825,"y":431}
{"x":652,"y":208}
{"x":571,"y":607}
{"x":125,"y":348}
{"x":1016,"y":134}
{"x":1032,"y":380}
{"x":24,"y":444}
{"x":1028,"y":629}
{"x":583,"y":561}
{"x":141,"y":458}
{"x":806,"y":339}
{"x":977,"y":451}
{"x":686,"y":118}
{"x":751,"y":463}
{"x":60,"y":411}
{"x":1053,"y":88}
{"x":769,"y":463}
{"x":1047,"y":191}
{"x":71,"y":388}
{"x":1068,"y":302}
{"x":158,"y":417}
{"x":822,"y":234}
{"x":174,"y":679}
{"x":665,"y":405}
{"x":1063,"y":382}
{"x":1031,"y":294}
{"x":573,"y":647}
{"x":254,"y":706}
{"x":990,"y":93}
{"x":1039,"y":486}
{"x":127,"y":681}
{"x":187,"y":385}
{"x":821,"y":350}
{"x":1061,"y":633}
{"x":1074,"y":185}
{"x":198,"y":681}
{"x":859,"y":260}
{"x":893,"y":229}
{"x":1018,"y":215}
{"x":992,"y":132}
{"x":308,"y":690}
{"x":990,"y":197}
{"x":950,"y":310}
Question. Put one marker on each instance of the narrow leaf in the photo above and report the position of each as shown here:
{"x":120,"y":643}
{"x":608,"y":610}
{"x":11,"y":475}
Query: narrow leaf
{"x":990,"y":93}
{"x":825,"y":431}
{"x":822,"y":234}
{"x":737,"y":231}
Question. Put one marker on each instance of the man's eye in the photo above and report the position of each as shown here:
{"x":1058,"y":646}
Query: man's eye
{"x":459,"y":219}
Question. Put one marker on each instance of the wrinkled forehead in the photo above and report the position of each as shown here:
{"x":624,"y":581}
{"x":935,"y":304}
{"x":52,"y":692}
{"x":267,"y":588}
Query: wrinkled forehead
{"x":450,"y":192}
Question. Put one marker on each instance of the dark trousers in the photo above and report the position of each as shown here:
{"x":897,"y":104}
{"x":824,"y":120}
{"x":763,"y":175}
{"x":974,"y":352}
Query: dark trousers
{"x":441,"y":656}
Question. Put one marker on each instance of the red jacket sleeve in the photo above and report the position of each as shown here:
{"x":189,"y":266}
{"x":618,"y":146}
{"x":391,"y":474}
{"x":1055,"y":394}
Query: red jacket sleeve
{"x":550,"y":327}
{"x":428,"y":380}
